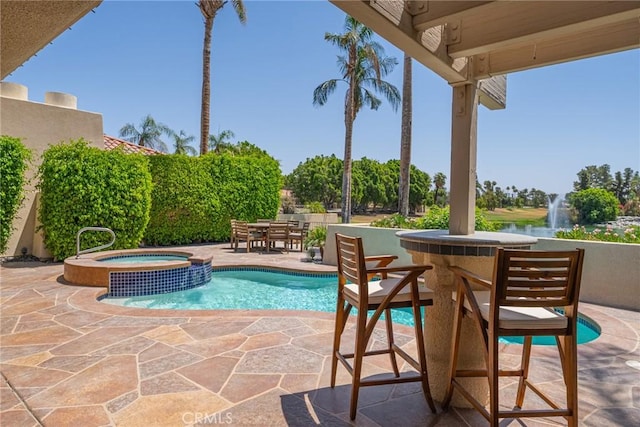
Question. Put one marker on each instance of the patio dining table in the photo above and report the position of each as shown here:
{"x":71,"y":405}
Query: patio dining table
{"x":263,"y":228}
{"x":474,"y":252}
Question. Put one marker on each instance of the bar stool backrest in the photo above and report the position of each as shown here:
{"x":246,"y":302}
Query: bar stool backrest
{"x":526,"y":278}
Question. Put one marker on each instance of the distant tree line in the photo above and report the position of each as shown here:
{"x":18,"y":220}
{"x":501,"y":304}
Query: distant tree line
{"x":491,"y":196}
{"x":624,"y":185}
{"x":374,"y":184}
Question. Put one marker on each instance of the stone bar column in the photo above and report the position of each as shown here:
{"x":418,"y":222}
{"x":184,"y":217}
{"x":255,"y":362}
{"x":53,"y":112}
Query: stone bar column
{"x":464,"y":124}
{"x":475,"y":253}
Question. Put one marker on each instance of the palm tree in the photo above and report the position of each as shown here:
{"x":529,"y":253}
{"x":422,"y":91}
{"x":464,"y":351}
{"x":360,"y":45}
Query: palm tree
{"x":209,"y":9}
{"x":362,"y":69}
{"x":405,"y":139}
{"x":439,"y":180}
{"x":181,"y":143}
{"x":148,"y":135}
{"x":221,"y":141}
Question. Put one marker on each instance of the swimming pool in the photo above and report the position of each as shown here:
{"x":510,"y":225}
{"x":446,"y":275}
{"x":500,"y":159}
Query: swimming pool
{"x":254,"y":289}
{"x":264,"y":289}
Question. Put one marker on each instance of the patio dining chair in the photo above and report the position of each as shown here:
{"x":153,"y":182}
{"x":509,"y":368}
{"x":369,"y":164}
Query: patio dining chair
{"x":243,"y":233}
{"x":298,"y":235}
{"x":277,"y":232}
{"x":232,"y":236}
{"x":533,"y":293}
{"x":355,"y":290}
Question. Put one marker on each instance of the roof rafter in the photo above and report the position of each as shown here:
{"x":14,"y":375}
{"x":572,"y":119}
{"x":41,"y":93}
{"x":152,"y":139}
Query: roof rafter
{"x":585,"y":44}
{"x":514,"y":23}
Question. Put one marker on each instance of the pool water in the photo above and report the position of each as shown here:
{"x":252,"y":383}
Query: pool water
{"x":254,"y":290}
{"x":131,"y":259}
{"x":265,"y":290}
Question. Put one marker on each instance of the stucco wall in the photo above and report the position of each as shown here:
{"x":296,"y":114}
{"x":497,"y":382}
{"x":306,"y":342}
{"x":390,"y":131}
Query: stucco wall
{"x":610,"y":276}
{"x":314,"y":220}
{"x":39,"y":125}
{"x":611,"y":271}
{"x":376,"y":241}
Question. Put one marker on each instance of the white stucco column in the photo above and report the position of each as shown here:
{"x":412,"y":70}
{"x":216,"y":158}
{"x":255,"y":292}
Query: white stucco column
{"x":464,"y":121}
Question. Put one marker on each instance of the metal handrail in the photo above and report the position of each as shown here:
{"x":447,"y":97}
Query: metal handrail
{"x":97,"y":248}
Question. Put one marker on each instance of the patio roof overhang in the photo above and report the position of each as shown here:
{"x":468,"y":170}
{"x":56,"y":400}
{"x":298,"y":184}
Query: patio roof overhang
{"x":28,"y":26}
{"x":465,"y":41}
{"x":473,"y":45}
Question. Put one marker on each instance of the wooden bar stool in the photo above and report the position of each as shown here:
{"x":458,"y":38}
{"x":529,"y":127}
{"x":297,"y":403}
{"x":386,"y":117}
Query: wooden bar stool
{"x":355,"y":290}
{"x":533,"y":293}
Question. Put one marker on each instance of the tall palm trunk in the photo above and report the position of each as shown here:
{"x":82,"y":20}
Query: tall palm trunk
{"x":346,"y":174}
{"x":405,"y":139}
{"x":349,"y":118}
{"x":206,"y":86}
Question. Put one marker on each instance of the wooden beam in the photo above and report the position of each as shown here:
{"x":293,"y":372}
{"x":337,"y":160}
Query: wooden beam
{"x":464,"y":131}
{"x":513,"y":23}
{"x":607,"y":39}
{"x":429,"y":14}
{"x":492,"y":92}
{"x":391,"y":21}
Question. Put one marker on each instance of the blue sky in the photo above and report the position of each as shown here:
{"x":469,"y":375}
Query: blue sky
{"x":133,"y":58}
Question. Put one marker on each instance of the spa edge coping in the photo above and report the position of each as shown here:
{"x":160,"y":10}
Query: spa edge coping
{"x":481,"y":243}
{"x":88,"y":270}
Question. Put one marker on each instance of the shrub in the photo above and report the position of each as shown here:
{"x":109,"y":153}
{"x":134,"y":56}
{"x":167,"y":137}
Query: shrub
{"x":14,"y":157}
{"x":315,"y":207}
{"x":594,"y":205}
{"x":317,"y":237}
{"x":629,"y":235}
{"x":184,"y":202}
{"x":394,"y":221}
{"x":436,"y":218}
{"x":631,"y":208}
{"x":83,"y":186}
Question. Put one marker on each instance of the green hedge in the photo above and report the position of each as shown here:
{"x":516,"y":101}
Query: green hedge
{"x":248,"y":187}
{"x":14,"y":157}
{"x":185,"y":204}
{"x":82,"y":186}
{"x":192,"y":200}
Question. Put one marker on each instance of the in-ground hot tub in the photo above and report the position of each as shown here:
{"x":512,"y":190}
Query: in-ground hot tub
{"x":137,"y":272}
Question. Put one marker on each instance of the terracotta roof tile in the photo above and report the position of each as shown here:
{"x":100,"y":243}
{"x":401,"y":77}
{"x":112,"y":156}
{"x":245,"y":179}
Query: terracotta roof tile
{"x":111,"y":143}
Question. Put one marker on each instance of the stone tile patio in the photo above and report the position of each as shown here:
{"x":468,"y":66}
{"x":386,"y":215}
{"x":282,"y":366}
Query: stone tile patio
{"x":69,"y":360}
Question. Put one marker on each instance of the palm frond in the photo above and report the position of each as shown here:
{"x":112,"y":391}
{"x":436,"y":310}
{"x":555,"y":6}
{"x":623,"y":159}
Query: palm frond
{"x":322,"y":92}
{"x":389,"y":91}
{"x":370,"y":99}
{"x":387,"y":65}
{"x":129,"y":131}
{"x":238,"y":6}
{"x":209,"y":8}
